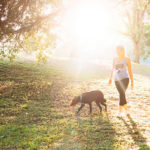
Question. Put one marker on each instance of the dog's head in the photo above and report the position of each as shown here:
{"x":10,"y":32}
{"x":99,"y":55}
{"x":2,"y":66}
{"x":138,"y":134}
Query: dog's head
{"x":75,"y":100}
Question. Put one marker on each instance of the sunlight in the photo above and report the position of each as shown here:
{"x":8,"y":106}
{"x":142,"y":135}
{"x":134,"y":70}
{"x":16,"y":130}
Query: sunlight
{"x":90,"y":21}
{"x":89,"y":25}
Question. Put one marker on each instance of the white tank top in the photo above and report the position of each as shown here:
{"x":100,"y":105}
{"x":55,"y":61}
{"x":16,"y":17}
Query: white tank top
{"x":120,"y":70}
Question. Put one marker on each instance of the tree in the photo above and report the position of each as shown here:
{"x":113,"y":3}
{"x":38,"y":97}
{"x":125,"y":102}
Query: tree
{"x":135,"y":14}
{"x":146,"y":42}
{"x":23,"y":19}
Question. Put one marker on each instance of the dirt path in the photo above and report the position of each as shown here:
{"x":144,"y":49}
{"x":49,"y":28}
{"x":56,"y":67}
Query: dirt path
{"x":132,"y":132}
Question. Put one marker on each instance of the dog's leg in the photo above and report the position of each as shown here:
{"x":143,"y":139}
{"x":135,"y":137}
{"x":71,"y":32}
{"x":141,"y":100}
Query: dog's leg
{"x":98,"y":104}
{"x":90,"y":107}
{"x":82,"y":105}
{"x":103,"y":103}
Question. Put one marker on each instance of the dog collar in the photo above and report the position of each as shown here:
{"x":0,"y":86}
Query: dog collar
{"x":80,"y":97}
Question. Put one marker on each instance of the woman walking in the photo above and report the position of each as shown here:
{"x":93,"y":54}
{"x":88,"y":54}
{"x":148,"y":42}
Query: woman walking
{"x":122,"y":71}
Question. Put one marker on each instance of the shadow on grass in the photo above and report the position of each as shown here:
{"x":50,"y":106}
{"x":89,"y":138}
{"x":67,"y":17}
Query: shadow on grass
{"x":97,"y":133}
{"x":136,"y":134}
{"x":90,"y":134}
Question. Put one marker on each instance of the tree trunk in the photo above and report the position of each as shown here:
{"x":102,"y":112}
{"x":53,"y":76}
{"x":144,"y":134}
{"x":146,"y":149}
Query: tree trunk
{"x":136,"y":52}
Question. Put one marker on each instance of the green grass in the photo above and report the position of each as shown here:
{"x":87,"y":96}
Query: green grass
{"x":27,"y":118}
{"x":33,"y":115}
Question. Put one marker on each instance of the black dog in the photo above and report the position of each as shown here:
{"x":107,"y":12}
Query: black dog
{"x":88,"y":98}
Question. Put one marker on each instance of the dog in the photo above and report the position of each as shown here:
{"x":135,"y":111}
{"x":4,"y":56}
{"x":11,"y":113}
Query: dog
{"x":87,"y":98}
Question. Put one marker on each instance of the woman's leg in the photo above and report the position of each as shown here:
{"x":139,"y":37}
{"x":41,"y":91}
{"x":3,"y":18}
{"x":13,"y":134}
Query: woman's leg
{"x":121,"y":95}
{"x":126,"y":83}
{"x":121,"y":90}
{"x":126,"y":108}
{"x":120,"y":109}
{"x":121,"y":87}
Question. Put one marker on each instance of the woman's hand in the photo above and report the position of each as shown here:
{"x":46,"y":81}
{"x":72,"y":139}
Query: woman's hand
{"x":110,"y":81}
{"x":132,"y":85}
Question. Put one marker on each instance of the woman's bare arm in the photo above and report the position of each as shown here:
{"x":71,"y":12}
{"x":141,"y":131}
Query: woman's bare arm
{"x":130,"y":70}
{"x":112,"y":71}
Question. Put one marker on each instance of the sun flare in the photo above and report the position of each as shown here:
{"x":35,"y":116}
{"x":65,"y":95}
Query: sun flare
{"x":90,"y":26}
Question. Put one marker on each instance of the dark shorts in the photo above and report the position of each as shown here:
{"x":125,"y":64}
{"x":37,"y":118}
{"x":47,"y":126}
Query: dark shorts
{"x":121,"y":87}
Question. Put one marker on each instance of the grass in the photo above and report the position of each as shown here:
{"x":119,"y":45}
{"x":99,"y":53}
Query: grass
{"x":35,"y":112}
{"x":27,"y":120}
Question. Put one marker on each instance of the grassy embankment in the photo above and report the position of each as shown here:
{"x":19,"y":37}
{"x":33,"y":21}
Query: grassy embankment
{"x":35,"y":112}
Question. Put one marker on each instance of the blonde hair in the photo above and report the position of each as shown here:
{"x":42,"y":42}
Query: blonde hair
{"x":120,"y":47}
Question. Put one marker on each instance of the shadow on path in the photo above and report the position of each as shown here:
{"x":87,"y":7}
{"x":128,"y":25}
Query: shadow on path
{"x":136,"y":134}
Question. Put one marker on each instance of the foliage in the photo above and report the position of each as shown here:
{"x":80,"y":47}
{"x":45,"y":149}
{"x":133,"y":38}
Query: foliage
{"x":134,"y":13}
{"x":24,"y":19}
{"x":146,"y":42}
